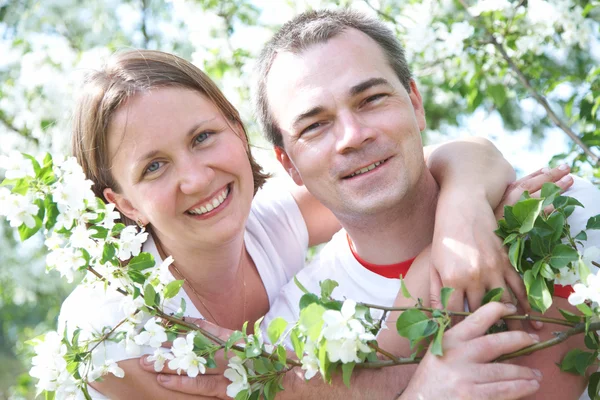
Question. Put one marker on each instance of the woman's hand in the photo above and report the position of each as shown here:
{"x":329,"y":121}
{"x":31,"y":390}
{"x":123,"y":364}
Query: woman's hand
{"x":466,"y":253}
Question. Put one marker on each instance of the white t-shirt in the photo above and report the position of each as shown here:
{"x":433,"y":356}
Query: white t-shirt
{"x":276,"y":238}
{"x":337,"y":262}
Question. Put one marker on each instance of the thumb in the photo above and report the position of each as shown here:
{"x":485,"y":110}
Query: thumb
{"x":435,"y":287}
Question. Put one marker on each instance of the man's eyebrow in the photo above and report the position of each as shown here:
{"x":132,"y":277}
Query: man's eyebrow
{"x":191,"y":132}
{"x":369,"y":83}
{"x":307,"y":114}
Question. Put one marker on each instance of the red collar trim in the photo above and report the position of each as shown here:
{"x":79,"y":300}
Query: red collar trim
{"x":393,"y":271}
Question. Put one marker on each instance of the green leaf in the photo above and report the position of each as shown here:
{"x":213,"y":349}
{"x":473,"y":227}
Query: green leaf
{"x":108,"y":252}
{"x":300,"y":286}
{"x":26,"y":232}
{"x":311,"y":319}
{"x":242,"y":395}
{"x":537,"y":292}
{"x":562,"y":255}
{"x":141,"y":262}
{"x":282,"y":354}
{"x":327,"y":287}
{"x":436,"y":347}
{"x":509,"y":239}
{"x":547,"y":272}
{"x":526,"y":211}
{"x":276,"y":329}
{"x":149,"y":294}
{"x":557,"y":222}
{"x":445,"y":296}
{"x":297,"y":343}
{"x":308,"y":299}
{"x":493,"y":295}
{"x":581,"y":236}
{"x":514,"y":254}
{"x":577,"y":361}
{"x":414,"y":324}
{"x":587,"y":311}
{"x":259,"y":366}
{"x":201,"y":342}
{"x":405,"y":291}
{"x":549,"y":193}
{"x":51,"y":212}
{"x":233,"y":339}
{"x":594,"y":385}
{"x":172,"y":289}
{"x":593,"y":222}
{"x":347,"y":373}
{"x":569,"y":316}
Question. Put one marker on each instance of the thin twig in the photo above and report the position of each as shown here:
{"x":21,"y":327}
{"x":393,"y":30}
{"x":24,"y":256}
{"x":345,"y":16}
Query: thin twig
{"x":379,"y":12}
{"x":144,"y":26}
{"x":525,"y":317}
{"x":537,"y":96}
{"x":596,"y":264}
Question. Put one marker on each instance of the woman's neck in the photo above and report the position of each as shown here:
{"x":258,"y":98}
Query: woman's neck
{"x":210,"y":268}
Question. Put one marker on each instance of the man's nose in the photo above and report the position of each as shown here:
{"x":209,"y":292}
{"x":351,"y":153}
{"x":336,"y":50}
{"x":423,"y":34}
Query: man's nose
{"x":352,"y":134}
{"x":194,"y":176}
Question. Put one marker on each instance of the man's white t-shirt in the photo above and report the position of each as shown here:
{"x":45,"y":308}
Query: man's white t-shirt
{"x":276,"y":238}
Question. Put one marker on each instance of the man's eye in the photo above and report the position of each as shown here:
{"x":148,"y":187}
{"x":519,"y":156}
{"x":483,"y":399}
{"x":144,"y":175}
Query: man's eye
{"x":376,"y":97}
{"x":311,"y":127}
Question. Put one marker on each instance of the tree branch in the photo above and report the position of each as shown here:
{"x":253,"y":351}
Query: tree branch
{"x":144,"y":26}
{"x":537,"y":96}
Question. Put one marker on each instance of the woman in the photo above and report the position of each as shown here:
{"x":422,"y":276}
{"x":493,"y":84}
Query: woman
{"x":160,"y":141}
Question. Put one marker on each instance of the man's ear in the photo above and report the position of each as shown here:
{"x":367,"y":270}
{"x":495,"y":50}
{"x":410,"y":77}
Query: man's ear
{"x":287,"y":164}
{"x":122,"y":204}
{"x":417,"y":103}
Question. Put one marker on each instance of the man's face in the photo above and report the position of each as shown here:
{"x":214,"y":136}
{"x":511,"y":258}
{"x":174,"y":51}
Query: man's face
{"x":351,"y":132}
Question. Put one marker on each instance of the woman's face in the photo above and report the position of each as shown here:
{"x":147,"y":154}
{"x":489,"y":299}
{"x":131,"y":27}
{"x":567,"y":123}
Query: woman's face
{"x":181,"y":166}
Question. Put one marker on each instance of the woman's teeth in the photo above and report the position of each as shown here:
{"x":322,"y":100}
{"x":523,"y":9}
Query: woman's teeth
{"x":211,"y":205}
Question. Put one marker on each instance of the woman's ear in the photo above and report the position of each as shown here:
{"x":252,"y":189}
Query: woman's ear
{"x":287,"y":164}
{"x":122,"y":204}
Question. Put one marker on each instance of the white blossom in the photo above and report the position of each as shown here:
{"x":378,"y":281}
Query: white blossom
{"x":16,"y":165}
{"x":585,"y":292}
{"x":19,"y":210}
{"x":109,"y":367}
{"x":310,"y":361}
{"x":49,"y":365}
{"x":66,"y":261}
{"x":238,"y":376}
{"x":185,"y":358}
{"x":159,"y":357}
{"x":153,"y":335}
{"x":130,"y":242}
{"x":345,"y":335}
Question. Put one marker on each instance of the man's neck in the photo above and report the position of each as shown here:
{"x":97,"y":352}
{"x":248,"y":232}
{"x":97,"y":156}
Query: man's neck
{"x":400,"y":233}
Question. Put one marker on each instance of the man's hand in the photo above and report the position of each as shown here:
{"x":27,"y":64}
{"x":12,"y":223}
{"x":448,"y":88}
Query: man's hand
{"x":211,"y":385}
{"x":466,"y":253}
{"x":465,"y":370}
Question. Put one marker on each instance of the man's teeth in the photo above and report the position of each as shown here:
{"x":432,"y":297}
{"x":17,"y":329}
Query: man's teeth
{"x":366,"y":169}
{"x":211,"y":205}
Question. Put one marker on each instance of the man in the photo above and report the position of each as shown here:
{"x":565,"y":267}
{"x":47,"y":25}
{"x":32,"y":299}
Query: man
{"x":347,"y":125}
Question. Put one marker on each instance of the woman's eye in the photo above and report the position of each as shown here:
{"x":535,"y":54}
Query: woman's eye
{"x":152,"y":167}
{"x":201,"y":137}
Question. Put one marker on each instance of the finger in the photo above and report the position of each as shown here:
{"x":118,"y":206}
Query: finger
{"x":435,"y":287}
{"x":507,"y":390}
{"x":479,"y":322}
{"x":516,"y":285}
{"x":489,"y":347}
{"x":534,"y":181}
{"x":499,"y":372}
{"x":209,"y":386}
{"x":474,"y":297}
